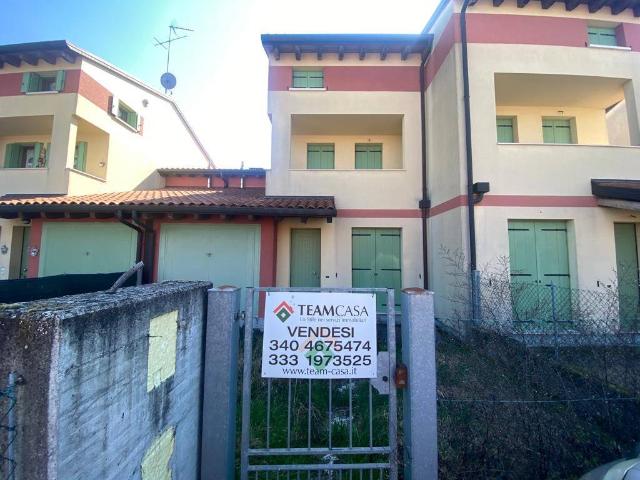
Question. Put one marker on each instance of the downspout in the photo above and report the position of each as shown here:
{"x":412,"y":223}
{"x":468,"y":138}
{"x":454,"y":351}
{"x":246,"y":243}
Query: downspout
{"x":424,"y":203}
{"x":467,"y":136}
{"x":145,"y":246}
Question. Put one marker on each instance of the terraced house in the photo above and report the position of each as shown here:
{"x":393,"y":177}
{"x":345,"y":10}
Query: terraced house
{"x":506,"y":129}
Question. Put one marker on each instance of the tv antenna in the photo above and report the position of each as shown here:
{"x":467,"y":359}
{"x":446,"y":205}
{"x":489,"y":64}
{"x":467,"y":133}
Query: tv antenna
{"x":168,"y":79}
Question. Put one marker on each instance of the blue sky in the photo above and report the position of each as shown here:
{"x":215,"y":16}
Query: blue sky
{"x":221,"y":68}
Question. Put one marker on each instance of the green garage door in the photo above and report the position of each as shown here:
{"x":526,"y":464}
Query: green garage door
{"x":221,"y":254}
{"x":91,"y":247}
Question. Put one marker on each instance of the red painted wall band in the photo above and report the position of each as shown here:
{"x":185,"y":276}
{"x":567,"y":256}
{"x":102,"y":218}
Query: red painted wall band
{"x":355,"y":78}
{"x":373,"y":213}
{"x":517,"y":201}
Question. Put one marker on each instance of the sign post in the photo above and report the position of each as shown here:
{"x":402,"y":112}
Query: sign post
{"x":319,"y":335}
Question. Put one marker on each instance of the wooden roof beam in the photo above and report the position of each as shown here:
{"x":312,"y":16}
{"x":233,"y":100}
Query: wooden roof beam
{"x":405,"y":53}
{"x":341,"y":52}
{"x":595,"y":5}
{"x":11,"y":60}
{"x":319,"y":53}
{"x":68,"y":56}
{"x":48,"y":57}
{"x":276,"y":53}
{"x":383,"y":53}
{"x":362,"y":53}
{"x":547,"y":3}
{"x":636,"y":12}
{"x":620,"y":6}
{"x":29,"y":58}
{"x":298,"y":53}
{"x":522,"y":3}
{"x":497,"y":3}
{"x":570,"y":5}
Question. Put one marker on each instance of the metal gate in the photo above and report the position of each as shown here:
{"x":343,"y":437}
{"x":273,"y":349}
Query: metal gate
{"x":319,"y":429}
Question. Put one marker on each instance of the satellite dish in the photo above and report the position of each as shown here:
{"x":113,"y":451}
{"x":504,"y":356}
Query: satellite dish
{"x":168,"y":80}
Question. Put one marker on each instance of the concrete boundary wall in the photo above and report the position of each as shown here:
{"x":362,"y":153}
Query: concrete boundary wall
{"x":112,"y":382}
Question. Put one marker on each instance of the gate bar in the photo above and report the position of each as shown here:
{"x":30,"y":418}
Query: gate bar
{"x":393,"y":399}
{"x":246,"y":384}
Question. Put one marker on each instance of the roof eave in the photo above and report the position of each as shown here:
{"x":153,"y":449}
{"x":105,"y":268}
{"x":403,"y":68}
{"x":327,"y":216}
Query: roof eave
{"x":187,"y":209}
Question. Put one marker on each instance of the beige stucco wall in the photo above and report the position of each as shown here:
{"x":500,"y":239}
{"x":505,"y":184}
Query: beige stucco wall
{"x":381,"y":189}
{"x":336,"y":248}
{"x":617,"y":125}
{"x":345,"y":151}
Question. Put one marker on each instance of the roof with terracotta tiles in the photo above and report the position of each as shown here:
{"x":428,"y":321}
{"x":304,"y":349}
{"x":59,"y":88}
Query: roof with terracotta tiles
{"x":237,"y":200}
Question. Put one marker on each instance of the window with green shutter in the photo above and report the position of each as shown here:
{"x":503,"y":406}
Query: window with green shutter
{"x":320,"y":156}
{"x":557,"y":130}
{"x":127,"y":115}
{"x":369,"y":156}
{"x":42,"y":82}
{"x":25,"y":155}
{"x":80,"y":157}
{"x":602,"y":36}
{"x":308,"y":79}
{"x":505,"y":127}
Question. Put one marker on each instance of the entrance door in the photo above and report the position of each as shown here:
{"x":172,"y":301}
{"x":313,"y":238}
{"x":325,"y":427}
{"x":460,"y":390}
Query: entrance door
{"x":627,"y":272}
{"x":19,"y":259}
{"x":305,"y":257}
{"x":376,"y":261}
{"x":539,"y":257}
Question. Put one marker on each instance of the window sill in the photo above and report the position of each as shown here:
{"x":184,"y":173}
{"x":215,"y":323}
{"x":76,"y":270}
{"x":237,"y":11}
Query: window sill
{"x":42,"y":93}
{"x":347,"y":169}
{"x":609,"y":47}
{"x":88,"y":175}
{"x":125,"y":124}
{"x":296,"y":89}
{"x":570,"y":145}
{"x":22,"y":169}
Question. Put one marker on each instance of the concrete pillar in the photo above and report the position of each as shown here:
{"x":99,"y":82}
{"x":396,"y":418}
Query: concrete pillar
{"x":220,"y":385}
{"x":63,"y":145}
{"x":632,"y":103}
{"x":420,"y":408}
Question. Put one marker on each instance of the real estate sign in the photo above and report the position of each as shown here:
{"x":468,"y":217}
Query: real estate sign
{"x":319,"y":335}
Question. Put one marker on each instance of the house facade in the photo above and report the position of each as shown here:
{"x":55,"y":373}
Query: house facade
{"x":553,"y":109}
{"x":72,"y":124}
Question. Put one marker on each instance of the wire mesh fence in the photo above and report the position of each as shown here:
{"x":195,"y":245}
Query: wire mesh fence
{"x":8,"y":431}
{"x":536,"y":380}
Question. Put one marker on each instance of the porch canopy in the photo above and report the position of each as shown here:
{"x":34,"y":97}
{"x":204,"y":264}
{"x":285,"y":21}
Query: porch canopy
{"x":623,"y":194}
{"x":178,"y":202}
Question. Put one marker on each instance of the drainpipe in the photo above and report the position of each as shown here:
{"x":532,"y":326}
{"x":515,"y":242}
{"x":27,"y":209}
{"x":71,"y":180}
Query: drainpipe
{"x":467,"y":136}
{"x":424,"y":203}
{"x":146,"y":244}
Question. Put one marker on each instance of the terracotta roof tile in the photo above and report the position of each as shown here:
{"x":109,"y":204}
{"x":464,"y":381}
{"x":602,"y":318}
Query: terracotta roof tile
{"x":232,"y":198}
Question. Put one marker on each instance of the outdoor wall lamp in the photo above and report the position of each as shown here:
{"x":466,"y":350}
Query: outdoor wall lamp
{"x":479,"y":189}
{"x":4,"y":249}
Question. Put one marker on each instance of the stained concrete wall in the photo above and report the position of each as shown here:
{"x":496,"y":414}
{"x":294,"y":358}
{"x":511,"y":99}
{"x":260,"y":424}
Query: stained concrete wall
{"x":104,"y":396}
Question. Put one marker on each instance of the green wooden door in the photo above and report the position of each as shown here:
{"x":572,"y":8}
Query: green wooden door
{"x":24,"y":253}
{"x":86,"y":247}
{"x":627,"y":272}
{"x":305,"y":257}
{"x":376,"y":261}
{"x":539,"y":257}
{"x":220,"y":254}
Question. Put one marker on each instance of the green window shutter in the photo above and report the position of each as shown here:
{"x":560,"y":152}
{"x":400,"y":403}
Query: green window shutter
{"x":603,"y":36}
{"x":300,"y":79}
{"x":505,"y":130}
{"x":320,"y":156}
{"x":46,"y":155}
{"x":60,"y":80}
{"x":308,"y":79}
{"x":557,"y":131}
{"x":316,"y":79}
{"x":37,"y":150}
{"x":369,"y":156}
{"x":12,"y":156}
{"x":26,"y":80}
{"x":34,"y":83}
{"x":80,"y":157}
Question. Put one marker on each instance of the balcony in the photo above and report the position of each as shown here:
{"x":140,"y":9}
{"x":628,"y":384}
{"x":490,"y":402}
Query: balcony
{"x":42,"y":154}
{"x":346,"y":142}
{"x":565,"y":109}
